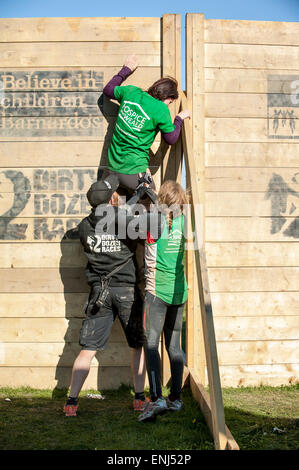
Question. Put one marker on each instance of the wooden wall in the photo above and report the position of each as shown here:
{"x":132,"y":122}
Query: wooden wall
{"x":245,"y":85}
{"x":53,"y":140}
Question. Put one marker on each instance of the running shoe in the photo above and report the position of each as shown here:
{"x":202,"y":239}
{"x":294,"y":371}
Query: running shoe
{"x":139,"y":405}
{"x":175,"y":405}
{"x":152,"y":409}
{"x":70,"y":408}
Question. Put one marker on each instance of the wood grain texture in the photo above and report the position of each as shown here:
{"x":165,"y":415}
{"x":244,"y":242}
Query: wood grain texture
{"x":252,"y":154}
{"x":244,"y":80}
{"x":88,"y":54}
{"x":27,"y":354}
{"x":251,"y":32}
{"x":79,"y":29}
{"x":45,"y":377}
{"x":248,"y":229}
{"x":48,"y":330}
{"x":252,"y":56}
{"x":252,"y":254}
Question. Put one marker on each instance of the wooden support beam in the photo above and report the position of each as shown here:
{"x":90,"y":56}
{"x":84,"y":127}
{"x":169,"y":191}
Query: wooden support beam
{"x":202,"y":397}
{"x":172,"y":156}
{"x":205,"y":299}
{"x":171,"y":66}
{"x":194,"y":54}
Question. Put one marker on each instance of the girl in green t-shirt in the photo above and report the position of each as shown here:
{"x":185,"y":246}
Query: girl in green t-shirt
{"x":141,"y":115}
{"x":166,"y":293}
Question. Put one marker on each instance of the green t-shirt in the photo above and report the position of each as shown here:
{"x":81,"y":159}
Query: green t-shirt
{"x":164,"y":264}
{"x":140,"y":118}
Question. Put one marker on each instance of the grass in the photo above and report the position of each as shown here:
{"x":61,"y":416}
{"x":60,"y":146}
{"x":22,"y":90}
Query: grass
{"x":33,"y":419}
{"x":253,"y":413}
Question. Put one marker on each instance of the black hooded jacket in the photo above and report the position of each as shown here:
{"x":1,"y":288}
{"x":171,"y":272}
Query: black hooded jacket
{"x":103,"y":234}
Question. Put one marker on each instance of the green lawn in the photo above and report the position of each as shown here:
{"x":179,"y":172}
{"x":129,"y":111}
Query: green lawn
{"x":33,"y":419}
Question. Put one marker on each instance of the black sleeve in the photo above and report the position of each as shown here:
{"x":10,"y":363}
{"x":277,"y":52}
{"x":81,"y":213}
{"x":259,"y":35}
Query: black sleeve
{"x":152,"y":195}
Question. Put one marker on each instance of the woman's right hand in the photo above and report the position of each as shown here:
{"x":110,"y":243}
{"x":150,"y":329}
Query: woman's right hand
{"x":185,"y":114}
{"x":131,"y":62}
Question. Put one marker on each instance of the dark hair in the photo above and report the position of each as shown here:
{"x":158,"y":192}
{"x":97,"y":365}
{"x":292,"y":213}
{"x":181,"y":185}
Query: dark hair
{"x":164,"y":88}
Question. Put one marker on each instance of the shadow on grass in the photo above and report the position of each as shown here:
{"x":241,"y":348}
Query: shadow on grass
{"x":257,"y":432}
{"x":33,"y":420}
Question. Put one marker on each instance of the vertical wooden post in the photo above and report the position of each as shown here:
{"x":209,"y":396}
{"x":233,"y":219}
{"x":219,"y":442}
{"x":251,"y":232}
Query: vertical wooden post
{"x":172,"y":161}
{"x":195,"y":93}
{"x":171,"y":66}
{"x":217,"y":411}
{"x":194,"y":154}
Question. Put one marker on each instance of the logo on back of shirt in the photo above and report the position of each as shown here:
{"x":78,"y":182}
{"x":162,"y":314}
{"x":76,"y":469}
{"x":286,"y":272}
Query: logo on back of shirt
{"x":103,"y":243}
{"x":175,"y":239}
{"x":133,"y":116}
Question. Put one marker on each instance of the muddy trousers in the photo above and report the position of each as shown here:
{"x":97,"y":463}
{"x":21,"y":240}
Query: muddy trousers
{"x":159,"y":316}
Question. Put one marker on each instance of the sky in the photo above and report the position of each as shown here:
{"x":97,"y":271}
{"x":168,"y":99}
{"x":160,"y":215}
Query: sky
{"x":267,"y":10}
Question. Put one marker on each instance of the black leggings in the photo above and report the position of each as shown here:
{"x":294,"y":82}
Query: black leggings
{"x":128,"y":181}
{"x":158,"y":316}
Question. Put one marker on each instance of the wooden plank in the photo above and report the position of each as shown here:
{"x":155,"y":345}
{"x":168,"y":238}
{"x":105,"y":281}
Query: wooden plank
{"x":191,"y":282}
{"x":30,"y":79}
{"x":252,"y":56}
{"x":218,"y":419}
{"x":242,"y":105}
{"x":28,"y":255}
{"x":171,"y":60}
{"x":202,"y":397}
{"x":57,"y":154}
{"x":250,"y":229}
{"x":51,"y":354}
{"x":79,"y":29}
{"x":88,"y":54}
{"x":48,"y":180}
{"x":243,"y":130}
{"x":48,"y":330}
{"x":43,"y":305}
{"x":253,"y":179}
{"x":253,"y":304}
{"x":244,"y":80}
{"x":194,"y":52}
{"x":218,"y":229}
{"x":240,"y":304}
{"x":234,"y":204}
{"x":170,"y":165}
{"x":252,"y":154}
{"x":258,"y":352}
{"x":99,"y":378}
{"x":251,"y":32}
{"x":251,"y":254}
{"x":256,"y":375}
{"x":48,"y":204}
{"x":76,"y":78}
{"x":61,"y":128}
{"x":254,"y":279}
{"x":236,"y":105}
{"x":43,"y":280}
{"x":257,"y":328}
{"x":46,"y":229}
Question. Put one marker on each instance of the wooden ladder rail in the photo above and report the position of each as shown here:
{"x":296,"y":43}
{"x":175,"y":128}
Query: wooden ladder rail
{"x":216,"y":421}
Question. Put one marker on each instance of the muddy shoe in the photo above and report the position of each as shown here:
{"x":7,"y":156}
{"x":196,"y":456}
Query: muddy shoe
{"x":152,"y":409}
